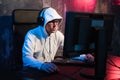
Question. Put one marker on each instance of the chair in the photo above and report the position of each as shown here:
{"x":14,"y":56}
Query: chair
{"x":23,"y":20}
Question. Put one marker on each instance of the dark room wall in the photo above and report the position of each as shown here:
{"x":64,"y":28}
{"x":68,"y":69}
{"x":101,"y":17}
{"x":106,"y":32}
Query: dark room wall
{"x":5,"y":41}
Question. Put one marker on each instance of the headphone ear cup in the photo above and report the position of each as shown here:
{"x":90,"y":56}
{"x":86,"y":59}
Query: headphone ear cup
{"x":40,"y":21}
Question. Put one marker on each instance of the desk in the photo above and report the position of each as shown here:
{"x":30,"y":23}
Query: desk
{"x":68,"y":72}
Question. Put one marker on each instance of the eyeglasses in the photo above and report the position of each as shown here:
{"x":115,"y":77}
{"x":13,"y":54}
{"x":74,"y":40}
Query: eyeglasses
{"x":55,"y":21}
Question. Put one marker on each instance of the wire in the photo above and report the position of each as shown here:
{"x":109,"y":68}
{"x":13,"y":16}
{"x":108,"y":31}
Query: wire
{"x":112,"y":63}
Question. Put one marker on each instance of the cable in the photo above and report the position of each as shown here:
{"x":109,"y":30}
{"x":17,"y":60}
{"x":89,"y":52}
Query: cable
{"x":112,"y":63}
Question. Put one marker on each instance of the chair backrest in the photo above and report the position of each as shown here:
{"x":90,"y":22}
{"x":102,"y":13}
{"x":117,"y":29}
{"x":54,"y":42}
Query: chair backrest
{"x":23,"y":20}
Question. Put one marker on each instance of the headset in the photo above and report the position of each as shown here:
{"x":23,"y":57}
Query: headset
{"x":41,"y":19}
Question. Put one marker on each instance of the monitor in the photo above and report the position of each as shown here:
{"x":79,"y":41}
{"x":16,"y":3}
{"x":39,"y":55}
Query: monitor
{"x":89,"y":33}
{"x":82,"y":31}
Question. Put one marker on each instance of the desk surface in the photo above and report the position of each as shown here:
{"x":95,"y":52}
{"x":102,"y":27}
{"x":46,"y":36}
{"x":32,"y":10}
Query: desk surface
{"x":66,"y":72}
{"x":69,"y":72}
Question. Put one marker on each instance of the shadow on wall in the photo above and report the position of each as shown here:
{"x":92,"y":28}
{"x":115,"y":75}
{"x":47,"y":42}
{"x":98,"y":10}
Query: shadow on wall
{"x":5,"y":42}
{"x":116,"y":32}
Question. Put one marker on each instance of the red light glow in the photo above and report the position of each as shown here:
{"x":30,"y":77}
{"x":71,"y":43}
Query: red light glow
{"x":116,"y":2}
{"x":113,"y":68}
{"x":81,"y":5}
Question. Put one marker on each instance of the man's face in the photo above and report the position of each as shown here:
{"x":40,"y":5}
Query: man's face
{"x":52,"y":26}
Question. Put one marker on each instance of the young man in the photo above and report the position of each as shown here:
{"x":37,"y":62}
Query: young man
{"x":41,"y":43}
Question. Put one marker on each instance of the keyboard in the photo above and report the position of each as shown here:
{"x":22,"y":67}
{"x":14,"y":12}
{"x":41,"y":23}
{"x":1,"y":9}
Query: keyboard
{"x":72,"y":62}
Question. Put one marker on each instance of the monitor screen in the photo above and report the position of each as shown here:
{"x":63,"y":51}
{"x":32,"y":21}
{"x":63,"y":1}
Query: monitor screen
{"x":82,"y":31}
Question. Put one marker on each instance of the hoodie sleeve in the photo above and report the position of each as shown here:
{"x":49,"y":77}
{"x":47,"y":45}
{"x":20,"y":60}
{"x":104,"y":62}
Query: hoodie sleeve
{"x":27,"y":52}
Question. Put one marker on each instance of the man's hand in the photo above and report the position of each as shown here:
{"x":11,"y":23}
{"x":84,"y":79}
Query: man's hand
{"x":89,"y":58}
{"x":49,"y":67}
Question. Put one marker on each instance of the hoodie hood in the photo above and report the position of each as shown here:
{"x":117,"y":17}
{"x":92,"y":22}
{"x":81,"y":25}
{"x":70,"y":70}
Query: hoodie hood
{"x":50,"y":14}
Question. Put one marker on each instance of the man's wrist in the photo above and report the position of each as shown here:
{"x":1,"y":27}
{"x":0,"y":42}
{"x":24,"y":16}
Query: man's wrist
{"x":41,"y":66}
{"x":82,"y":57}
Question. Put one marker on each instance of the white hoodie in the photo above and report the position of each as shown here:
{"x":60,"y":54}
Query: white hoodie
{"x":38,"y":47}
